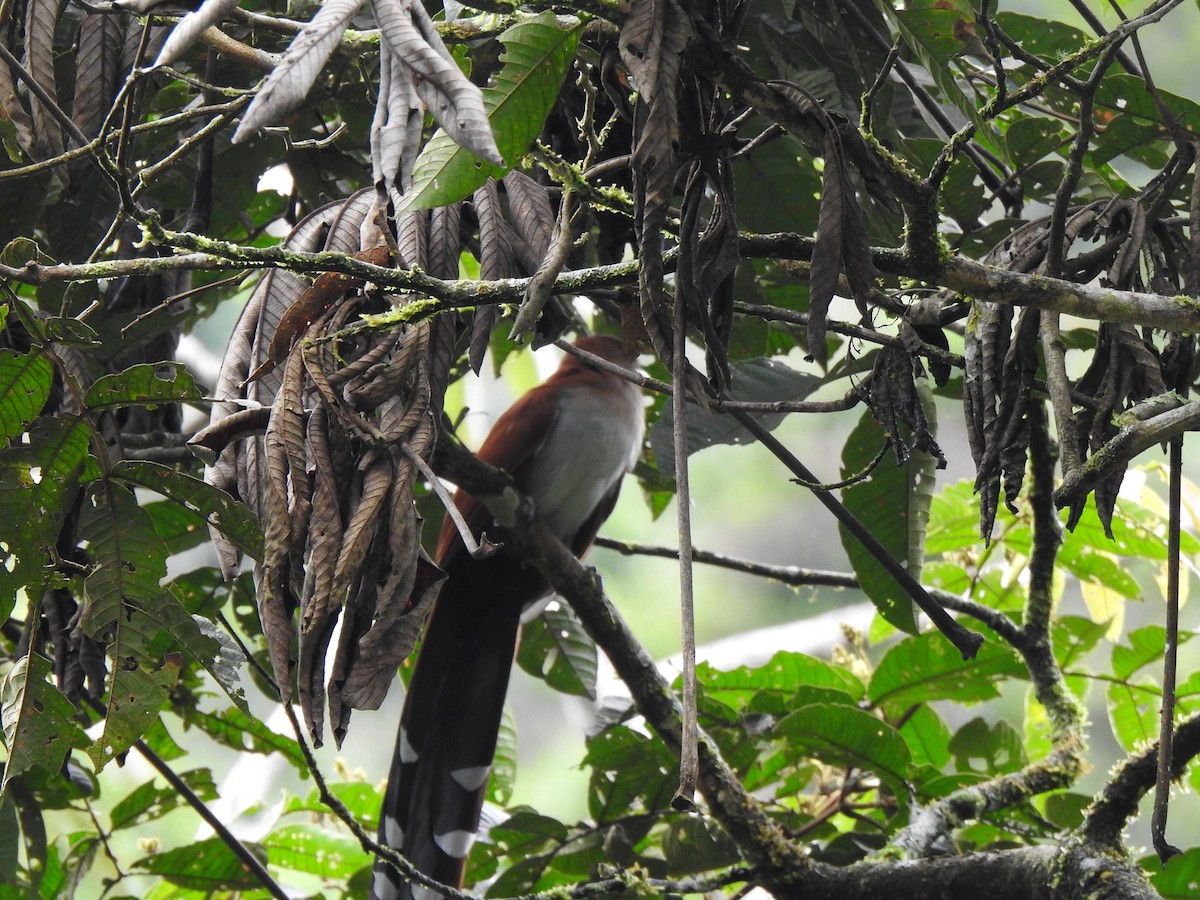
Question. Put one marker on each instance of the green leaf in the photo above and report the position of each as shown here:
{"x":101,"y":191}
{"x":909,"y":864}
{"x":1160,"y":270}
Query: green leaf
{"x":842,"y":735}
{"x":25,"y":381}
{"x":997,"y":745}
{"x":146,"y":384}
{"x":1133,"y":710}
{"x":136,"y":696}
{"x":537,"y":56}
{"x":927,"y":737}
{"x":926,"y":667}
{"x":555,"y":648}
{"x":149,"y":801}
{"x":939,"y":31}
{"x":893,"y":504}
{"x":229,"y":516}
{"x":359,"y":797}
{"x":242,"y":732}
{"x":1146,"y":645}
{"x":125,"y":605}
{"x":783,"y":675}
{"x":38,"y":721}
{"x":697,"y":844}
{"x":315,"y":850}
{"x":1074,"y":638}
{"x":1179,"y":879}
{"x":201,"y":866}
{"x":38,"y":481}
{"x":628,"y":767}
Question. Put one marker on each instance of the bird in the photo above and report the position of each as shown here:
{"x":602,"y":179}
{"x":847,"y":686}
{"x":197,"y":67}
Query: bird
{"x":567,"y":444}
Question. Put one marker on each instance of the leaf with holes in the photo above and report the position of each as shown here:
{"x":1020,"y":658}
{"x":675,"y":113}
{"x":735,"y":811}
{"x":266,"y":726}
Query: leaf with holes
{"x":147,"y":384}
{"x":39,"y":722}
{"x":555,"y":648}
{"x":25,"y":380}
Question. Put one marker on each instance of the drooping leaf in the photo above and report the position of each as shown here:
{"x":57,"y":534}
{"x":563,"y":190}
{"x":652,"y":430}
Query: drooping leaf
{"x":25,"y":380}
{"x":536,"y":59}
{"x":892,"y":503}
{"x":39,"y":722}
{"x":191,"y":26}
{"x":217,"y":508}
{"x":38,"y":481}
{"x":294,"y":74}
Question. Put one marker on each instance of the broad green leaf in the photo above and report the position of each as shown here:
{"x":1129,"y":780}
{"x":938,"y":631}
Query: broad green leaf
{"x":221,"y":511}
{"x":179,"y":527}
{"x":537,"y":56}
{"x":38,"y":480}
{"x":1065,"y":809}
{"x":1133,"y":710}
{"x":207,"y":865}
{"x":1074,"y":638}
{"x":784,"y":674}
{"x":1146,"y":645}
{"x":137,"y":694}
{"x":526,"y":832}
{"x":927,"y":737}
{"x":1179,"y":879}
{"x":126,"y":606}
{"x":926,"y":667}
{"x":146,"y":384}
{"x":630,"y":773}
{"x":842,"y":735}
{"x":893,"y":504}
{"x":39,"y":722}
{"x":359,"y":797}
{"x":555,"y":648}
{"x":25,"y":381}
{"x":939,"y":32}
{"x":315,"y":850}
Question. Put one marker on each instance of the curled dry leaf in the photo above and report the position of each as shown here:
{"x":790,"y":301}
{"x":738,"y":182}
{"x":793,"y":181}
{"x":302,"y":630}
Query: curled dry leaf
{"x":191,"y":26}
{"x":293,"y":77}
{"x":328,"y":478}
{"x":453,"y":101}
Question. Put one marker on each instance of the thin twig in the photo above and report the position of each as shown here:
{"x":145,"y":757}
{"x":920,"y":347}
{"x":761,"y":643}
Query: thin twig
{"x":689,"y":764}
{"x":1166,"y":725}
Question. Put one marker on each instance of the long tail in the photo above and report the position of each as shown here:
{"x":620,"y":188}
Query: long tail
{"x":447,"y":738}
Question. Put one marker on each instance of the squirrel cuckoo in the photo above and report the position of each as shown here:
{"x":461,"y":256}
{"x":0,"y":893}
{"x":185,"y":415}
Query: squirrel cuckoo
{"x":567,"y":444}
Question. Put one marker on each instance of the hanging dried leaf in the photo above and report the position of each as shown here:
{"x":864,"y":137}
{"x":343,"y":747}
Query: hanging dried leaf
{"x":455,"y":103}
{"x":191,"y":26}
{"x":287,"y":86}
{"x":652,"y":41}
{"x":497,"y":259}
{"x":41,"y":20}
